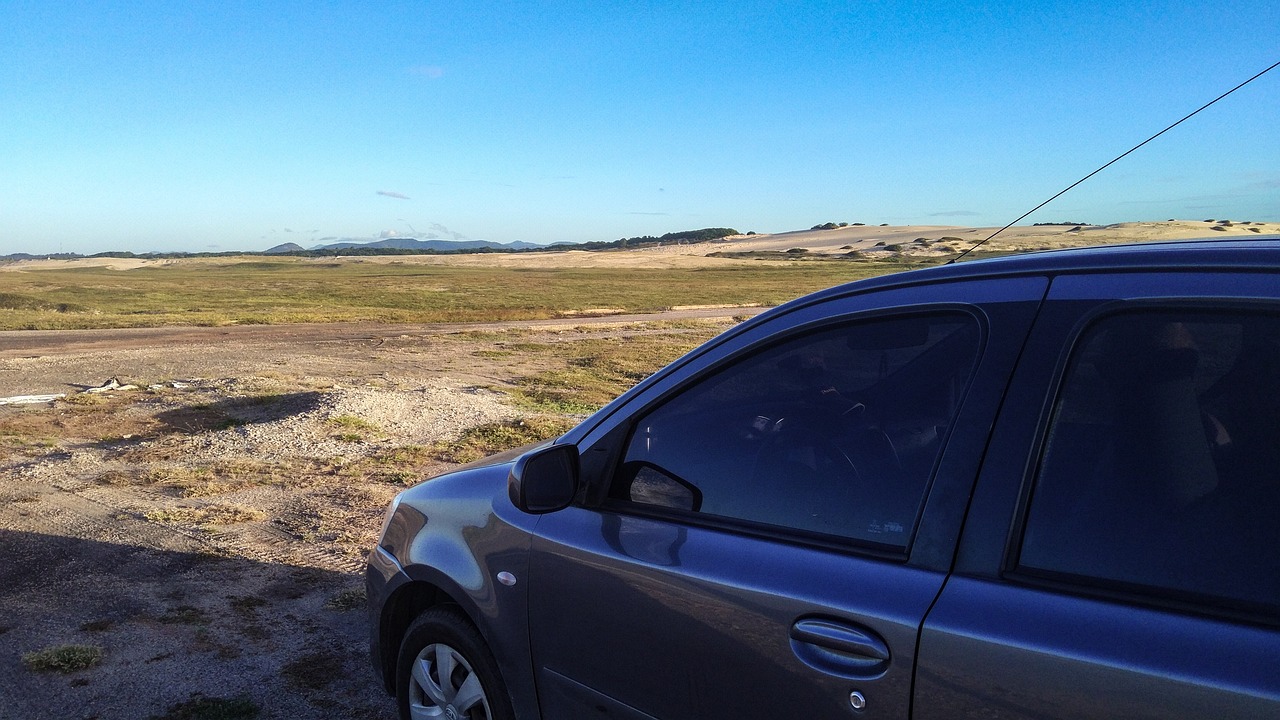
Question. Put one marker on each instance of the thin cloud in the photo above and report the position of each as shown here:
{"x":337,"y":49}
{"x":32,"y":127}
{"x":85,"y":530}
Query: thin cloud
{"x":437,"y":227}
{"x":392,"y":194}
{"x":431,"y":72}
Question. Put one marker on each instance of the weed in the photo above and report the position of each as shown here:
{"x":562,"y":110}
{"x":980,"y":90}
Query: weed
{"x":352,"y":422}
{"x":207,"y":516}
{"x":206,"y":708}
{"x":599,"y":369}
{"x":63,"y":658}
{"x":349,"y":599}
{"x":116,"y":478}
{"x":84,"y":399}
{"x":490,"y":438}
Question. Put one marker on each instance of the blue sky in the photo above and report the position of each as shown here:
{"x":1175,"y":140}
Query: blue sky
{"x":237,"y":126}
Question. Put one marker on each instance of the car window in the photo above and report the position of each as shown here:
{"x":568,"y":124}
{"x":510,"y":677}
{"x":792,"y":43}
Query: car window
{"x":1159,"y":474}
{"x":833,"y":432}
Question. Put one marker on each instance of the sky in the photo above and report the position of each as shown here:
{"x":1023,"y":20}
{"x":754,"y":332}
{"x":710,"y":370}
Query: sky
{"x":218,"y":126}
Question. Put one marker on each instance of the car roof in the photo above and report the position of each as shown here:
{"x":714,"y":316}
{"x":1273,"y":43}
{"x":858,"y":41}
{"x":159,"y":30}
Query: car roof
{"x":1261,"y":253}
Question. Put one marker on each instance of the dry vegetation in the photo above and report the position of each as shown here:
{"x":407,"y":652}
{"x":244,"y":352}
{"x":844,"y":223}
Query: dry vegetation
{"x":215,"y":528}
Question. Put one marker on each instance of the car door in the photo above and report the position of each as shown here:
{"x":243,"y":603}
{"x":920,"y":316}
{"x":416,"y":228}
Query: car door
{"x":765,"y":528}
{"x":1122,"y":555}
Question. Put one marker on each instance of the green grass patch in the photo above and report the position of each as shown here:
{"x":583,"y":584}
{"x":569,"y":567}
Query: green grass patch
{"x":484,"y":440}
{"x":63,"y":658}
{"x":597,"y":370}
{"x":352,"y":422}
{"x":289,"y":290}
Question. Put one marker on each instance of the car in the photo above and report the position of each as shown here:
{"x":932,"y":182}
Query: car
{"x":1037,"y":486}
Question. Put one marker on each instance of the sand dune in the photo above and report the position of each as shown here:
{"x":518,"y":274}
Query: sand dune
{"x":873,"y":241}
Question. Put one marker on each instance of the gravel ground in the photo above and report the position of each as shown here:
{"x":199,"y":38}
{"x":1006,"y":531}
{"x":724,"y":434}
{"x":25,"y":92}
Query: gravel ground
{"x":203,"y":534}
{"x":197,"y":541}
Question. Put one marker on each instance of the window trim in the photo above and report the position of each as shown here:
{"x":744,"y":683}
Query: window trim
{"x":1154,"y":597}
{"x":618,"y":438}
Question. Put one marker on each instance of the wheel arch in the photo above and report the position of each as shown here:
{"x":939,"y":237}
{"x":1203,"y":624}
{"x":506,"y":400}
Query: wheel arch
{"x":402,"y":607}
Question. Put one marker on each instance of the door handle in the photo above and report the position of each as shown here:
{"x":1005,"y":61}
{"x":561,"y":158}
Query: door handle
{"x":839,"y":648}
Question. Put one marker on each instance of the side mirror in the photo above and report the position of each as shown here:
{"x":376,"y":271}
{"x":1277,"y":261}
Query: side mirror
{"x":544,"y":480}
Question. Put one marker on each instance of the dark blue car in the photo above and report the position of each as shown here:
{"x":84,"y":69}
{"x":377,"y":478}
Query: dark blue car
{"x":1044,"y":486}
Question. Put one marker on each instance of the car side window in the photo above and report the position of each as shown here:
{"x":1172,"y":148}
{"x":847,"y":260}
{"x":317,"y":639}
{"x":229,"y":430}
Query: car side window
{"x":834,"y":432}
{"x":1160,"y":470}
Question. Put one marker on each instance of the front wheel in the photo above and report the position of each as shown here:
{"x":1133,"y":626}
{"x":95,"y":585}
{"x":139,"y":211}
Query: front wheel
{"x":444,"y":670}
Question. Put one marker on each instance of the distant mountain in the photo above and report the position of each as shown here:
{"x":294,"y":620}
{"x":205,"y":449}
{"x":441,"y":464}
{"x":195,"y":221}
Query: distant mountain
{"x":285,"y":248}
{"x":49,"y":256}
{"x":436,"y":245}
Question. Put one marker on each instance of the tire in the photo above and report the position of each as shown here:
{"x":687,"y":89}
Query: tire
{"x":442,"y":639}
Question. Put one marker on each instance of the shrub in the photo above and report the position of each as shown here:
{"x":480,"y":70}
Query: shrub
{"x":63,"y":658}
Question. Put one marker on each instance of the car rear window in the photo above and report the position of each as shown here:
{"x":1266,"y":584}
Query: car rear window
{"x":1159,"y":475}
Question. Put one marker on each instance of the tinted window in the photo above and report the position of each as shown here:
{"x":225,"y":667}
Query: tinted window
{"x":835,"y":432}
{"x":1160,"y":470}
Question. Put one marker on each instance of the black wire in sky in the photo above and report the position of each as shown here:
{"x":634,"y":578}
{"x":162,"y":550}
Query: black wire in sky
{"x":1113,"y":161}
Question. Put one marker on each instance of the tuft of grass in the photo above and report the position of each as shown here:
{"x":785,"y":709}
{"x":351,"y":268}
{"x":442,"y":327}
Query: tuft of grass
{"x":349,"y":599}
{"x":599,"y":369}
{"x":205,"y":517}
{"x":206,"y":708}
{"x":352,"y":422}
{"x":63,"y":658}
{"x":484,"y":440}
{"x":85,"y":399}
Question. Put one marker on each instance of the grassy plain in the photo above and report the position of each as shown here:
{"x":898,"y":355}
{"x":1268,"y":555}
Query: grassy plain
{"x":290,"y":290}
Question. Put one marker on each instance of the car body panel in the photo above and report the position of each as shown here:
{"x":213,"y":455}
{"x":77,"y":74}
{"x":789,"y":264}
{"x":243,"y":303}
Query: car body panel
{"x":1053,"y":655}
{"x":455,"y":534}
